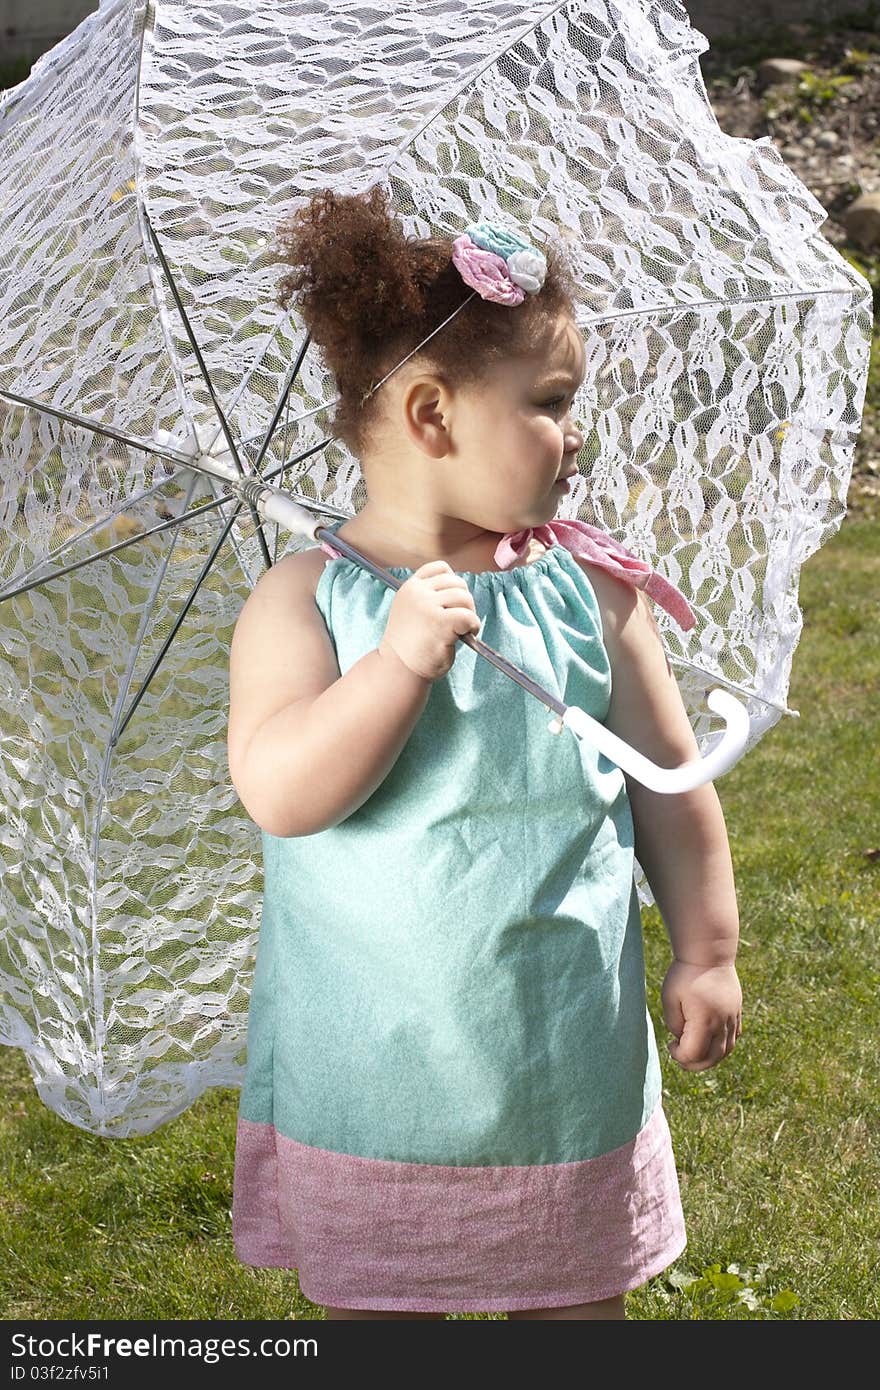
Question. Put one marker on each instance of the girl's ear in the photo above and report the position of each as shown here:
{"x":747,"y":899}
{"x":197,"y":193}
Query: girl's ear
{"x":427,"y":410}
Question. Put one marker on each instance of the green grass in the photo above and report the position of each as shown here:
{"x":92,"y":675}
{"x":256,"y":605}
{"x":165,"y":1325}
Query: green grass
{"x":777,"y":1148}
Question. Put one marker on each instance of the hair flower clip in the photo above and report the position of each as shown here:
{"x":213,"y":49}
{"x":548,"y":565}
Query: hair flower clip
{"x":527,"y":269}
{"x":498,"y":264}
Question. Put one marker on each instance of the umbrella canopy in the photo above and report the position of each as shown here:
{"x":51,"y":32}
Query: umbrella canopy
{"x":144,"y":166}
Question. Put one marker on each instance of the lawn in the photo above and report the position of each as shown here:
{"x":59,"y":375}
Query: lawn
{"x":777,"y":1148}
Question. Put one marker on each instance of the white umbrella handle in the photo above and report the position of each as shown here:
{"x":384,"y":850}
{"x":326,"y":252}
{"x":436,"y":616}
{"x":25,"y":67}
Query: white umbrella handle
{"x":674,"y":779}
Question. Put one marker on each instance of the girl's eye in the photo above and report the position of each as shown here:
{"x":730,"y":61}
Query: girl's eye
{"x":558,"y":401}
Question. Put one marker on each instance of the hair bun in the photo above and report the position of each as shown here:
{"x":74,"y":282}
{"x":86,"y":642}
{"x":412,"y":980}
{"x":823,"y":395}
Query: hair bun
{"x":352,"y":266}
{"x":369,"y":296}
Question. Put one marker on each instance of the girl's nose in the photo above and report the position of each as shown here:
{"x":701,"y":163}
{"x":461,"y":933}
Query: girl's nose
{"x":574,"y":437}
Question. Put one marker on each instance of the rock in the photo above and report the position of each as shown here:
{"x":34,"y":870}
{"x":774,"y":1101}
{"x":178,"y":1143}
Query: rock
{"x":862,"y":221}
{"x":773,"y":72}
{"x":828,"y":139}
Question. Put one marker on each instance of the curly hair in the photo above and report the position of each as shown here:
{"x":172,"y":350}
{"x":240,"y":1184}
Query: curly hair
{"x":370,"y":294}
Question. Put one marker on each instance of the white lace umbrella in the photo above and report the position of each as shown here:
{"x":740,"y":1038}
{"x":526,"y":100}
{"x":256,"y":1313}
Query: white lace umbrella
{"x":144,"y":166}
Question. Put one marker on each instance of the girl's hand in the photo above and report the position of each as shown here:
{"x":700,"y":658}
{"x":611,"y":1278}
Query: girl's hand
{"x":702,"y":1006}
{"x":430,"y":611}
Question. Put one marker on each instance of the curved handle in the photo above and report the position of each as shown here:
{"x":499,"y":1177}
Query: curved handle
{"x":722,"y":757}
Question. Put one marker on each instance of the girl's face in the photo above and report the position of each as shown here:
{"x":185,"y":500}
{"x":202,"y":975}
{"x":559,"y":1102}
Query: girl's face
{"x":516,"y":434}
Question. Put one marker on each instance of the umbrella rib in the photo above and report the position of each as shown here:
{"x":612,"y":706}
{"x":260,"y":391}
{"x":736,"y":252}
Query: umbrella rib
{"x":731,"y":685}
{"x":162,"y":526}
{"x":470,"y":77}
{"x":82,"y":420}
{"x":283,"y":451}
{"x":192,"y":340}
{"x":282,"y":401}
{"x":243,"y":385}
{"x":148,"y":20}
{"x":178,"y":622}
{"x":207,"y":379}
{"x":172,"y":457}
{"x":98,"y":526}
{"x":787,"y":296}
{"x":188,"y":603}
{"x":111,"y":549}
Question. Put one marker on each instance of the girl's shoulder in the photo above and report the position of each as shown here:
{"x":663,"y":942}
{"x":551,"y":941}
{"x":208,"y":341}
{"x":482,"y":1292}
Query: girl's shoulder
{"x":291,"y":581}
{"x":280,"y":652}
{"x":305,"y":567}
{"x":628,"y":622}
{"x":646,"y":708}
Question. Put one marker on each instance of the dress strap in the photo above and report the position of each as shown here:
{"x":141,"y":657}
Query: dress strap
{"x":602,"y":550}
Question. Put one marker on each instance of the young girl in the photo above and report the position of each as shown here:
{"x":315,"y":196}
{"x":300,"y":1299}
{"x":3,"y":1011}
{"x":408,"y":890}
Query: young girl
{"x":453,"y":1093}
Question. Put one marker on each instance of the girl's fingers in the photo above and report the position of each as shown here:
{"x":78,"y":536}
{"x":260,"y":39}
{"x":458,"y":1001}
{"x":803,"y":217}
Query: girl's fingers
{"x":454,"y":593}
{"x":711,"y":1049}
{"x":693,"y":1044}
{"x":448,"y":580}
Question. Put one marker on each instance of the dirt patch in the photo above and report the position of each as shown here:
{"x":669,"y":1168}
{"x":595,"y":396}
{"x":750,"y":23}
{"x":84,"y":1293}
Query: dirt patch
{"x":826,"y":126}
{"x":836,"y":167}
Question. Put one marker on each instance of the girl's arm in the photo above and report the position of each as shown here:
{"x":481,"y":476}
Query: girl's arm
{"x":307,"y":745}
{"x":680,"y":840}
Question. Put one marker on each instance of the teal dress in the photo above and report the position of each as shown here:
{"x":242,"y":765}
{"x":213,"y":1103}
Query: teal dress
{"x":452,"y":1097}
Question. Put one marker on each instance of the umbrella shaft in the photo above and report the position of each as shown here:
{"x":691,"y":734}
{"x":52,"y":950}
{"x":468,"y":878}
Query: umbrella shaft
{"x":476,"y":643}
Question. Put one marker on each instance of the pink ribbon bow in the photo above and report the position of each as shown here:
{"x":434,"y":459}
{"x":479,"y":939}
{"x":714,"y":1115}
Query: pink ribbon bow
{"x":603,"y":550}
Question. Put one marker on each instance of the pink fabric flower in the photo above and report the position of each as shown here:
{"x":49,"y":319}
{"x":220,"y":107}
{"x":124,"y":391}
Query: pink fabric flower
{"x":485,"y":272}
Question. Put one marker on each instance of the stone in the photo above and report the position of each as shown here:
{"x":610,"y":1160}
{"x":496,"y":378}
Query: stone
{"x":774,"y":72}
{"x":862,"y":221}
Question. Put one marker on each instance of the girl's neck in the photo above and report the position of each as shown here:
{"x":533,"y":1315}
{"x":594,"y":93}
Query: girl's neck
{"x":379,"y":545}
